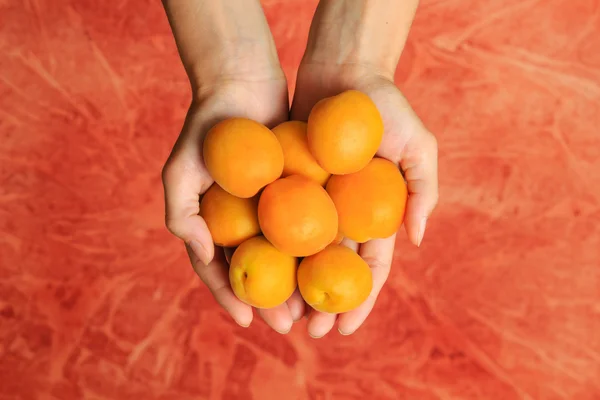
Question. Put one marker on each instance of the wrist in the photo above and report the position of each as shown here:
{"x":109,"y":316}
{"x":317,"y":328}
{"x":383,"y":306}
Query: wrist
{"x":360,"y":33}
{"x":340,"y":66}
{"x":219,"y":41}
{"x":231,"y":62}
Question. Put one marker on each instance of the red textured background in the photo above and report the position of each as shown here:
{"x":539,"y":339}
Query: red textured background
{"x":502,"y":302}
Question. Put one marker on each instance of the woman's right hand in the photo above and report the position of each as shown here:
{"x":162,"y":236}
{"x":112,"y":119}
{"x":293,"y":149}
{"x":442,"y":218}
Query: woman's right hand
{"x":229,"y":55}
{"x":263,"y":98}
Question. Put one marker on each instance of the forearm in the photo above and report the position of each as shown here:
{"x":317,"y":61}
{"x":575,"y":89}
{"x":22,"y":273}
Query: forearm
{"x":368,"y":33}
{"x":222,"y":39}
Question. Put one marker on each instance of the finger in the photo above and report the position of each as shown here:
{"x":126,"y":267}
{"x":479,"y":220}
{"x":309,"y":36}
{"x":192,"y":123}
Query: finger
{"x":351,"y":244}
{"x":184,"y":179}
{"x":420,"y":165}
{"x":216,"y":277}
{"x":279,"y":318}
{"x":408,"y":142}
{"x":319,"y":323}
{"x":378,"y":254}
{"x":296,"y":305}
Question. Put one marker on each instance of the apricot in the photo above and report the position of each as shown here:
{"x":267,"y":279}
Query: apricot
{"x":242,"y":156}
{"x":297,"y":216}
{"x":297,"y":159}
{"x":344,"y":132}
{"x":230,"y":220}
{"x":335,"y":280}
{"x":371,"y":202}
{"x":260,"y":275}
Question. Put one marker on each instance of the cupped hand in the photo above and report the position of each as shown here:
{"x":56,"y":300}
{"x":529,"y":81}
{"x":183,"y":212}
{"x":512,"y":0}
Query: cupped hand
{"x":185,"y":179}
{"x":406,"y":142}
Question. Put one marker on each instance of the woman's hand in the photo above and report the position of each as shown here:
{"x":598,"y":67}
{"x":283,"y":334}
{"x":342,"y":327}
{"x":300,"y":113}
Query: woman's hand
{"x":229,"y":55}
{"x":185,"y":179}
{"x":406,"y":142}
{"x":356,"y":44}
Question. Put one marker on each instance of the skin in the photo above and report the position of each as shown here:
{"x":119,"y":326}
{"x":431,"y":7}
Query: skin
{"x":353,"y":44}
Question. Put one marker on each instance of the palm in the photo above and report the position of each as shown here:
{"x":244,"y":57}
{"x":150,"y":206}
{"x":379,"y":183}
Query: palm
{"x":406,"y":142}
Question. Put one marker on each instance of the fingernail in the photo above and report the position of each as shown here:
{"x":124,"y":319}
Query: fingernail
{"x":242,"y":323}
{"x":297,"y":314}
{"x":344,"y":333}
{"x":286,"y":329}
{"x":199,"y":251}
{"x":297,"y":318}
{"x":314,"y":337}
{"x":284,"y":332}
{"x":421,"y":231}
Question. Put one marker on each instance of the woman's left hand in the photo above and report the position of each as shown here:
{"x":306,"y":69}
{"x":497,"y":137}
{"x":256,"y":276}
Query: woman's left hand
{"x":406,"y":142}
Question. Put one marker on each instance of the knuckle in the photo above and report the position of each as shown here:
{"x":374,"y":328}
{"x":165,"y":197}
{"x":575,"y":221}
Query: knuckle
{"x":173,"y":226}
{"x":168,"y":171}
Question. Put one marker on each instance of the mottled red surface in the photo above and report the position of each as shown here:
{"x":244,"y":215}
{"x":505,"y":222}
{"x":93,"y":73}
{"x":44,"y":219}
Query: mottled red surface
{"x":502,"y":302}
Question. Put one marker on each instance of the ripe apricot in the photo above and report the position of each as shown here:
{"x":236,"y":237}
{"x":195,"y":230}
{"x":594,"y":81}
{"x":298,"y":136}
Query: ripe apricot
{"x":242,"y":156}
{"x":335,"y":280}
{"x":230,"y":219}
{"x":371,"y":202}
{"x":344,"y":132}
{"x":297,"y":216}
{"x":260,"y":275}
{"x":297,"y":159}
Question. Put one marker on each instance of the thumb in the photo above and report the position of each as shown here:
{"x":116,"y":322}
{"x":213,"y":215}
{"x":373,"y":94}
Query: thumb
{"x":420,"y":166}
{"x":182,"y":187}
{"x":185,"y":178}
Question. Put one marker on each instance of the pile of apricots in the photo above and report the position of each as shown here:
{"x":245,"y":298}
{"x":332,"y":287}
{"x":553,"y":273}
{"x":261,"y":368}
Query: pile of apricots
{"x":286,"y":198}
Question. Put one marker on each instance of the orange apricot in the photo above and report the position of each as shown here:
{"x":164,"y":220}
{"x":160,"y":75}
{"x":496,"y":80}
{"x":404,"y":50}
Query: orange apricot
{"x":297,"y":159}
{"x":242,"y":156}
{"x":297,"y":216}
{"x":230,"y":220}
{"x":260,"y":275}
{"x":335,"y":280}
{"x":371,"y":202}
{"x":344,"y":132}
